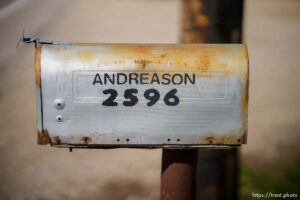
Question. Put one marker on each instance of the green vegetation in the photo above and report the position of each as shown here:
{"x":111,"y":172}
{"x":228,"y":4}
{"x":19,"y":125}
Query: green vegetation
{"x":286,"y":180}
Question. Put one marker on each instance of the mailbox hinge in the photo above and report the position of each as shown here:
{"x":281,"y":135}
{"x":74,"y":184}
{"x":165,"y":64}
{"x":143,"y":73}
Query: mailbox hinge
{"x":38,"y":40}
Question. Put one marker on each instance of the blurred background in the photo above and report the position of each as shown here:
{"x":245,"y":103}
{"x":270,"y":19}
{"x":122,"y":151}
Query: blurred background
{"x":270,"y":162}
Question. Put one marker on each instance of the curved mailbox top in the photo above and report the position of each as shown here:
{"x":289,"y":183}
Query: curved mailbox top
{"x":134,"y":95}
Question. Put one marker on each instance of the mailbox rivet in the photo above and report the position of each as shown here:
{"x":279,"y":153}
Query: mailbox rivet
{"x":59,"y":118}
{"x":59,"y":104}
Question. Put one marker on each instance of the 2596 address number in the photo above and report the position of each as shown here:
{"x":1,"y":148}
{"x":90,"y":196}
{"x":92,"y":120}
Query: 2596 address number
{"x":153,"y":95}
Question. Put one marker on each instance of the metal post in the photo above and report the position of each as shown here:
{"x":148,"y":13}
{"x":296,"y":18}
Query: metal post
{"x":178,"y":174}
{"x":217,"y":176}
{"x":212,"y":21}
{"x":204,"y":21}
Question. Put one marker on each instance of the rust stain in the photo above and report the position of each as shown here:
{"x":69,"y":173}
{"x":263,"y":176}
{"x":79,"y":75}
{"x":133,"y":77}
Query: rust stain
{"x":247,"y":78}
{"x":246,"y":96}
{"x":86,"y":140}
{"x":203,"y":63}
{"x":57,"y":139}
{"x":38,"y":48}
{"x":43,"y":137}
{"x":179,"y":59}
{"x":194,"y":22}
{"x":199,"y":19}
{"x":245,"y":99}
{"x":142,"y":62}
{"x":202,"y":20}
{"x":230,"y":138}
{"x":143,"y":49}
{"x":243,"y":139}
{"x":172,"y":58}
{"x":86,"y":56}
{"x":137,"y":49}
{"x":211,"y":140}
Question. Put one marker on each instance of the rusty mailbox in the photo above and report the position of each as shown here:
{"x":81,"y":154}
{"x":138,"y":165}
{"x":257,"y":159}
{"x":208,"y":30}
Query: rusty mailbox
{"x":141,"y":95}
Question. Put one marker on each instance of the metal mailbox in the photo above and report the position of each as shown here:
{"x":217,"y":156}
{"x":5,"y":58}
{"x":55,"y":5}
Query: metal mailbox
{"x":141,"y":95}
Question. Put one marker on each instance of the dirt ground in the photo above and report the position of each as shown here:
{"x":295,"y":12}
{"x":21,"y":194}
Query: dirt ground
{"x":32,"y":172}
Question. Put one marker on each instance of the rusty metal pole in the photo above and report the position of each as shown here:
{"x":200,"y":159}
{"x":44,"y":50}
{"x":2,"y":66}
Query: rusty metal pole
{"x":212,"y":21}
{"x":178,"y":174}
{"x":205,"y":173}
